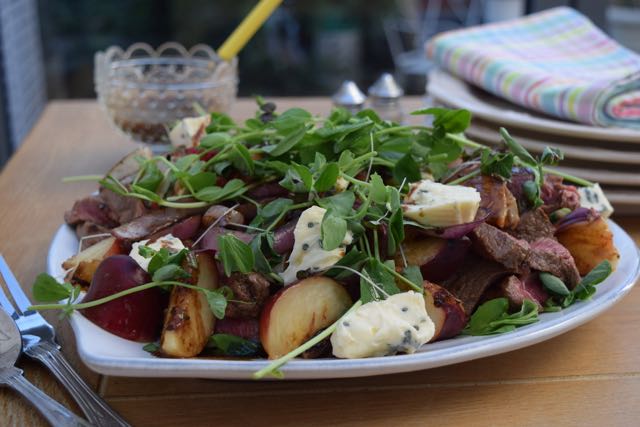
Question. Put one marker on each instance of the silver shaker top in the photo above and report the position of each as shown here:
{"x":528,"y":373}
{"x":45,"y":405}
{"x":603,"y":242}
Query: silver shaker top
{"x":386,"y":87}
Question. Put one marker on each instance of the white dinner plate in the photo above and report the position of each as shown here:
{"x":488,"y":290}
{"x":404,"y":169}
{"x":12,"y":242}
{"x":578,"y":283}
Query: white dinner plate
{"x":110,"y":355}
{"x":459,"y":94}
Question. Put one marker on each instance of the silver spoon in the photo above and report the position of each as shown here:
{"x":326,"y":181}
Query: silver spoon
{"x":10,"y":347}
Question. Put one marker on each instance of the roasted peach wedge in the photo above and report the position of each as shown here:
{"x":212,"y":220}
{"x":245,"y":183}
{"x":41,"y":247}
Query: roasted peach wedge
{"x":297,"y":312}
{"x":445,"y":311}
{"x":83,"y":265}
{"x":189,"y":322}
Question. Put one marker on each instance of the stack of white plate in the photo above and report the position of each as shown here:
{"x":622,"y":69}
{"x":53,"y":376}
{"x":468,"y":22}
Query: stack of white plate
{"x":610,"y":156}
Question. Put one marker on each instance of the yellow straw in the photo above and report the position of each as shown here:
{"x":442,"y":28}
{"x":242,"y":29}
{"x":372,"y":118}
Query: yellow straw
{"x":247,"y":28}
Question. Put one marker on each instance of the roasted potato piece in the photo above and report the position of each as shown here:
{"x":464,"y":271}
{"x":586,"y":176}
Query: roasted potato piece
{"x":84,"y":264}
{"x":445,"y":310}
{"x":189,"y":322}
{"x":589,"y":244}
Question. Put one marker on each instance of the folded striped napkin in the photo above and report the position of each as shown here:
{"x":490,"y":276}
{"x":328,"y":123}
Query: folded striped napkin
{"x":555,"y":61}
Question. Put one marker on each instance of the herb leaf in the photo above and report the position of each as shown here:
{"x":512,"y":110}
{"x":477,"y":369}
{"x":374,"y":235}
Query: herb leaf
{"x":235,"y":255}
{"x":492,"y":317}
{"x":232,"y":345}
{"x":48,"y":289}
{"x":333,"y":230}
{"x":554,"y":284}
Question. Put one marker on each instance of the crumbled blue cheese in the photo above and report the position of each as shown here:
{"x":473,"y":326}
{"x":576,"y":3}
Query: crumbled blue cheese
{"x":439,"y":205}
{"x":307,"y":253}
{"x":173,"y":244}
{"x":593,"y":198}
{"x":380,"y":328}
{"x":189,"y":131}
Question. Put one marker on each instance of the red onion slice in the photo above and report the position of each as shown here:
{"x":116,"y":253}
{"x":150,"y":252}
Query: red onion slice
{"x":578,"y":215}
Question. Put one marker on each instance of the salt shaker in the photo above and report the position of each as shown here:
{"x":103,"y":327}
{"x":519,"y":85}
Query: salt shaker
{"x":385,"y":95}
{"x":349,"y":96}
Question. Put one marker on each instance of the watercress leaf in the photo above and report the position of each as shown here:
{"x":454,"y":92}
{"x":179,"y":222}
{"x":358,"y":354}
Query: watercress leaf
{"x":289,"y":141}
{"x":178,"y":257}
{"x":406,"y":168}
{"x":531,"y":191}
{"x":453,"y":121}
{"x":242,"y":160}
{"x":341,"y":203}
{"x":353,"y":259}
{"x":146,"y":251}
{"x":486,"y":313}
{"x":396,"y":226}
{"x":151,"y":347}
{"x":367,"y":292}
{"x":377,"y":191}
{"x":293,"y":118}
{"x":278,"y":166}
{"x":215,"y":140}
{"x":333,"y":231}
{"x":371,"y":115}
{"x":327,"y":178}
{"x":202,"y":180}
{"x":146,"y":193}
{"x":261,"y":262}
{"x":151,"y":177}
{"x":184,"y":163}
{"x":586,"y":287}
{"x":217,"y":302}
{"x":232,"y":345}
{"x":339,"y":115}
{"x":517,"y":149}
{"x":110,"y":183}
{"x":275,"y":207}
{"x":382,"y":277}
{"x":554,"y":284}
{"x":551,"y":156}
{"x":498,"y":164}
{"x":48,"y":289}
{"x":220,"y":122}
{"x":341,"y":131}
{"x":393,"y":198}
{"x":169,"y":272}
{"x":297,"y":178}
{"x":232,"y":188}
{"x":235,"y":255}
{"x":160,"y":258}
{"x":413,"y":273}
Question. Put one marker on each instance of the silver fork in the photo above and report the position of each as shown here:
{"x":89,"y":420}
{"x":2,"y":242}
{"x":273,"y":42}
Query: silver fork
{"x":38,"y":341}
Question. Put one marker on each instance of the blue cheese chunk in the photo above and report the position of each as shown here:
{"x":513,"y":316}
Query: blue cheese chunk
{"x":380,"y":328}
{"x":593,"y":198}
{"x":307,"y":253}
{"x":439,"y":205}
{"x":173,"y":244}
{"x":189,"y":131}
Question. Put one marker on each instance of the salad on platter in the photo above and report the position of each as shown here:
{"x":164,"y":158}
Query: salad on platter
{"x":293,"y":235}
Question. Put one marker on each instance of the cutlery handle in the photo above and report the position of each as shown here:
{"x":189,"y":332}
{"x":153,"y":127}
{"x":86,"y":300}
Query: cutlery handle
{"x":55,"y":413}
{"x":94,"y":407}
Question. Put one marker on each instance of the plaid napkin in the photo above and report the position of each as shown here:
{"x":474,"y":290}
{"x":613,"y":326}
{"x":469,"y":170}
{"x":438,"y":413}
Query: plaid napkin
{"x":554,"y":61}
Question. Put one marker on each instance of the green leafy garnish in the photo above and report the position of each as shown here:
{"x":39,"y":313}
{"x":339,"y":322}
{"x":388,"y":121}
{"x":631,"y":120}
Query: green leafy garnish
{"x":232,"y":345}
{"x":235,"y":255}
{"x":493,"y":317}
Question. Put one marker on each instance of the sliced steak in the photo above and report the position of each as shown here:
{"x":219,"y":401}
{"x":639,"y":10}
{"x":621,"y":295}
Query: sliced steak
{"x":517,"y":290}
{"x":91,"y":209}
{"x":557,"y":195}
{"x":550,"y":256}
{"x":534,"y":225}
{"x":496,"y":245}
{"x":86,"y":229}
{"x":150,"y":223}
{"x":496,"y":198}
{"x":250,"y":290}
{"x":472,"y":279}
{"x":124,"y":208}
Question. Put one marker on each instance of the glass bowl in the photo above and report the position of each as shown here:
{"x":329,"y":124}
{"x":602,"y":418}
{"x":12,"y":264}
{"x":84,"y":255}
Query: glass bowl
{"x":144,"y":91}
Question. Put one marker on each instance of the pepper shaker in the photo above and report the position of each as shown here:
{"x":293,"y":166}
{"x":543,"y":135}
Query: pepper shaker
{"x":385,"y":95}
{"x":350,"y":97}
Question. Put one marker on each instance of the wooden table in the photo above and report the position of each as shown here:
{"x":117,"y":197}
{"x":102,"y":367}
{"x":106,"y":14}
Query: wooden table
{"x":589,"y":376}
